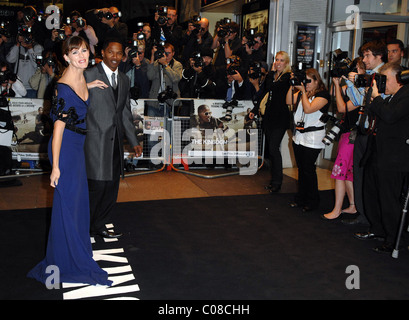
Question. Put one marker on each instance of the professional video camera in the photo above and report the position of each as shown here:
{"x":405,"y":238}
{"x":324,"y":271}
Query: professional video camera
{"x":196,"y":24}
{"x":255,"y":69}
{"x":233,"y":65}
{"x":300,"y":77}
{"x":41,"y":62}
{"x":6,"y":76}
{"x":25,"y":32}
{"x":79,"y":21}
{"x":229,"y":106}
{"x":160,"y":46}
{"x":168,"y":93}
{"x":365,"y":80}
{"x":198,"y":59}
{"x":342,"y":65}
{"x":163,"y":15}
{"x":334,"y":132}
{"x":224,"y":28}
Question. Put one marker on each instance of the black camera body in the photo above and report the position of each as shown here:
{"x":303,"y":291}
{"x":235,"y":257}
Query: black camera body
{"x":25,"y":32}
{"x":167,"y":94}
{"x":6,"y":76}
{"x":299,"y":77}
{"x":233,"y":65}
{"x":198,"y":59}
{"x":250,"y":34}
{"x":79,"y":21}
{"x":163,"y":15}
{"x":4,"y":30}
{"x":108,"y":15}
{"x":365,"y":80}
{"x":160,"y":52}
{"x":342,"y":65}
{"x":196,"y":24}
{"x":41,"y":62}
{"x":133,"y":52}
{"x":256,"y":73}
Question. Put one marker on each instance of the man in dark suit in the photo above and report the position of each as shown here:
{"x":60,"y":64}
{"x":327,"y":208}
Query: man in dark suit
{"x":109,"y":119}
{"x":387,"y":166}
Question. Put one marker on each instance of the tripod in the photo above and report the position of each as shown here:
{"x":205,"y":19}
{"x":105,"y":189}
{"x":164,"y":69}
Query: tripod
{"x":395,"y":252}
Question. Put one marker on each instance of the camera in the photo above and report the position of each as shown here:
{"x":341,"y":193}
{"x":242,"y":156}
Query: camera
{"x":133,"y":52}
{"x":25,"y":32}
{"x":196,"y":24}
{"x":108,"y":15}
{"x":41,"y":62}
{"x":160,"y":52}
{"x":79,"y":21}
{"x":163,"y":14}
{"x":233,"y":65}
{"x":6,"y":76}
{"x":168,"y":93}
{"x":365,"y":80}
{"x":256,"y":73}
{"x":342,"y":64}
{"x":334,"y":132}
{"x":224,"y":28}
{"x":4,"y":30}
{"x":139,"y":34}
{"x":250,"y":35}
{"x":198,"y":59}
{"x":403,"y":77}
{"x":300,"y":77}
{"x":229,"y":106}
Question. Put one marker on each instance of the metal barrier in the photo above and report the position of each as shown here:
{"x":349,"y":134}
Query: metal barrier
{"x":162,"y":130}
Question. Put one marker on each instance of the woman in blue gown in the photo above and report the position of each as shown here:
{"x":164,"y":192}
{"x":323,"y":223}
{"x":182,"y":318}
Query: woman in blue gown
{"x":69,"y":245}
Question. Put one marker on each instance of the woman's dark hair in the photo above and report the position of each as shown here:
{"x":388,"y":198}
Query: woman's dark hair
{"x":313,"y":74}
{"x":72,"y":43}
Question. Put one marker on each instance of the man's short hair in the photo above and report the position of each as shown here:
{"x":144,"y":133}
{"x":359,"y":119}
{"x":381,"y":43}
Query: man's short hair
{"x":109,"y":40}
{"x":377,"y":47}
{"x":398,"y":42}
{"x":395,"y":67}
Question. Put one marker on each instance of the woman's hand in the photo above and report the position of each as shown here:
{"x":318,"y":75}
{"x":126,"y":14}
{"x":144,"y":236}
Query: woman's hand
{"x":55,"y":176}
{"x":97,"y":84}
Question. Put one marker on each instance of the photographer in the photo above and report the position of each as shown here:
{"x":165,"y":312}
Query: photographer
{"x":226,"y":41}
{"x":198,"y":78}
{"x":164,"y":71}
{"x":22,"y":56}
{"x":5,"y":43}
{"x":48,"y":72}
{"x":311,"y":102}
{"x":276,"y":116}
{"x":387,"y":166}
{"x":81,"y":28}
{"x":137,"y":70}
{"x":167,"y":29}
{"x":196,"y":39}
{"x":374,"y":55}
{"x":252,"y":48}
{"x":342,"y":171}
{"x":10,"y":85}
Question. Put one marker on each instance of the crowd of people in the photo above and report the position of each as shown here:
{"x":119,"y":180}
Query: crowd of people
{"x":95,"y":65}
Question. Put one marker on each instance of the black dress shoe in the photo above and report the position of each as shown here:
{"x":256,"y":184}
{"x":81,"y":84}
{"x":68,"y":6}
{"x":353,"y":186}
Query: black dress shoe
{"x":109,"y":234}
{"x":367,"y":236}
{"x":385,"y":248}
{"x":275,"y":189}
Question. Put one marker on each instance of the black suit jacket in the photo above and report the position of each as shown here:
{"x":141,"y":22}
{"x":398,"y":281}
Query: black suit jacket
{"x":107,"y":118}
{"x":392,"y":130}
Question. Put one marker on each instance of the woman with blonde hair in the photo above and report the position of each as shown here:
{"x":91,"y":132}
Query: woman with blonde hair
{"x":276,"y":116}
{"x":311,"y":102}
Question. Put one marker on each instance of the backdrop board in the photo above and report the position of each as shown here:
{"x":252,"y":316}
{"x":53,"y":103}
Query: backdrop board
{"x":217,"y":131}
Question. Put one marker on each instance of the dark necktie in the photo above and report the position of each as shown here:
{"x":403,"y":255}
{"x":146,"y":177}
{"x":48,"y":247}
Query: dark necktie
{"x":114,"y":85}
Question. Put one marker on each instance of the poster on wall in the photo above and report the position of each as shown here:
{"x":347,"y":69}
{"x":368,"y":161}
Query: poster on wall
{"x":219,"y":130}
{"x":305,"y":46}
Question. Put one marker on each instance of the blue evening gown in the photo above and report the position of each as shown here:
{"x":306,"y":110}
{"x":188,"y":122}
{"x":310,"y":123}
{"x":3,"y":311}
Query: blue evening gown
{"x":69,"y":245}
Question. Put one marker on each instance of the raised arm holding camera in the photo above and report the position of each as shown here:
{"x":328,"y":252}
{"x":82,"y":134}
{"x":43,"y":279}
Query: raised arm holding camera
{"x":311,"y":102}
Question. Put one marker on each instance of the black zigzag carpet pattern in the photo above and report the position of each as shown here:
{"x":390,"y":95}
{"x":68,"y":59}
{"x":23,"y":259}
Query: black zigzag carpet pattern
{"x":218,"y":248}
